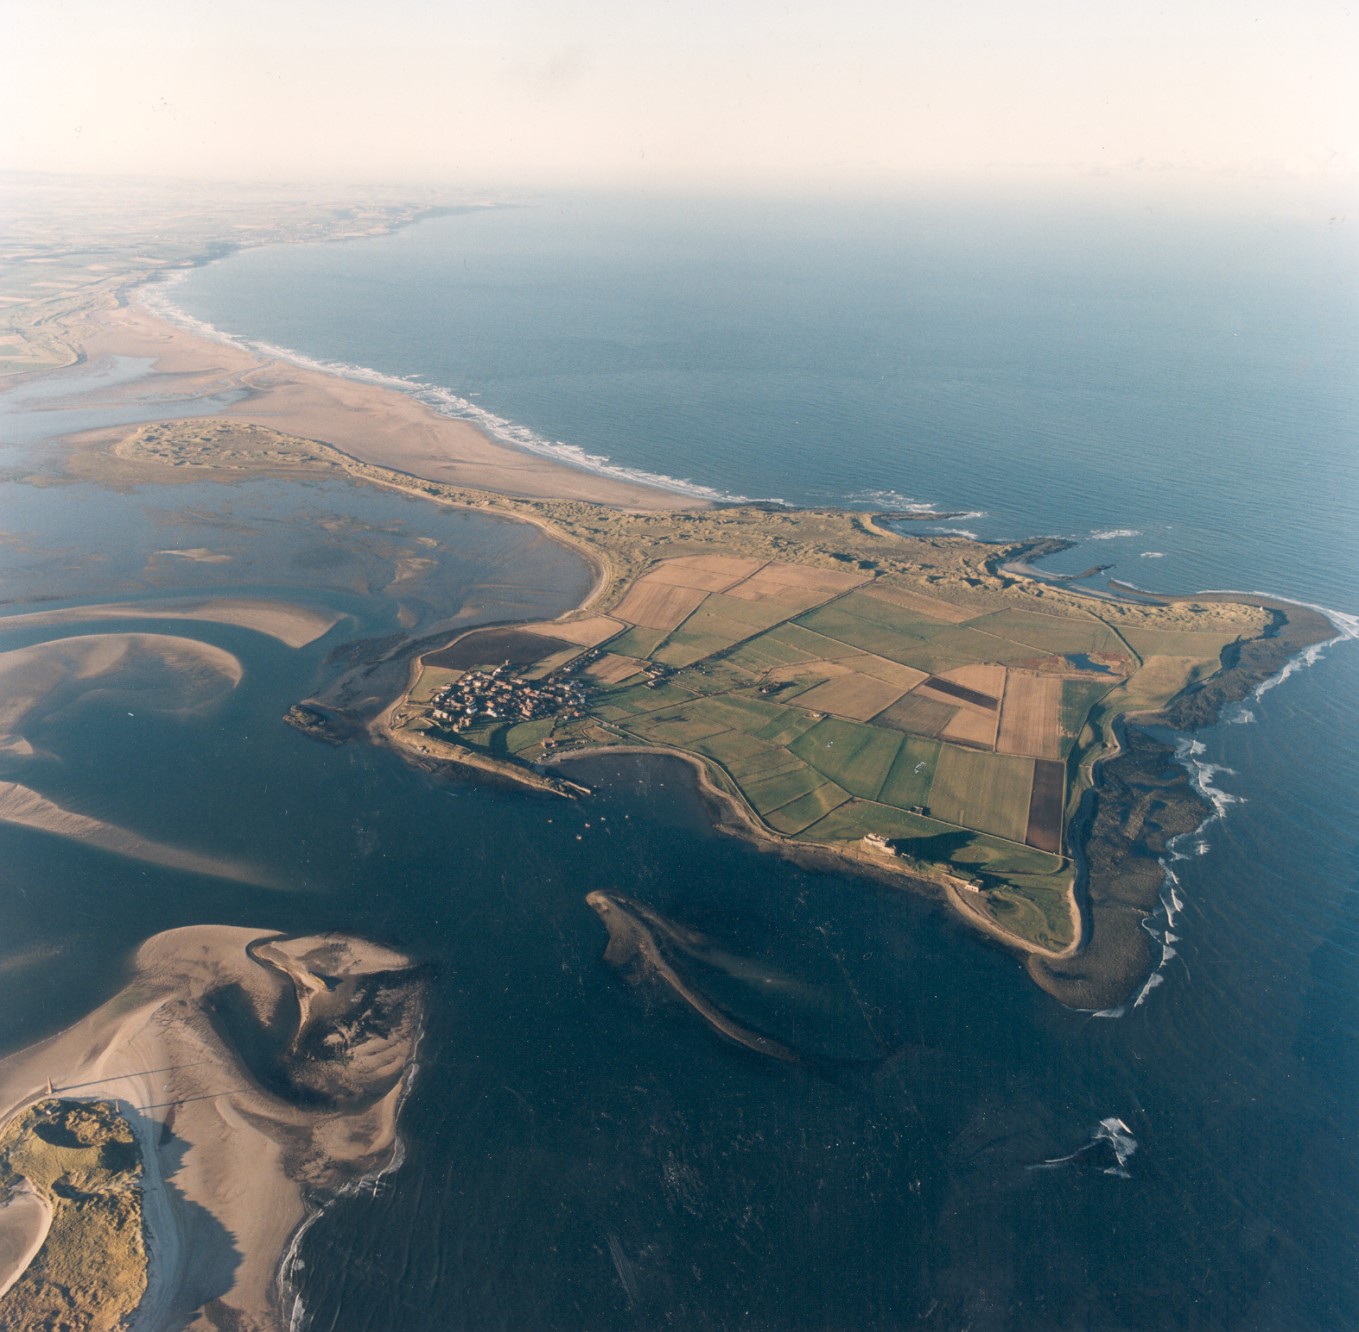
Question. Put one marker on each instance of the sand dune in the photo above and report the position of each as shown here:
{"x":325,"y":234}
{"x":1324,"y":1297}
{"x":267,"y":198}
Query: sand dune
{"x":236,"y":1142}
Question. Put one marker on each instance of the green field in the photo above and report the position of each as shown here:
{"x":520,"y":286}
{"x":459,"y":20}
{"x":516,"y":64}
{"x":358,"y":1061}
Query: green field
{"x":989,"y":792}
{"x":855,"y":756}
{"x":856,"y":818}
{"x":904,"y":785}
{"x":636,"y":642}
{"x":1206,"y":646}
{"x":740,"y":753}
{"x":773,"y":792}
{"x":1051,"y":634}
{"x":1078,"y":698}
{"x":798,"y":814}
{"x":874,"y":625}
{"x":779,"y":647}
{"x":681,"y":727}
{"x":527,"y":735}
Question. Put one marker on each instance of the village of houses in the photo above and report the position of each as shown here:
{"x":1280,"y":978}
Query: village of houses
{"x":498,"y":693}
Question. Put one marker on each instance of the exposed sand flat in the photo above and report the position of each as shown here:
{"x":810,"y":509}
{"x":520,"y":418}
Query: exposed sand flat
{"x":230,"y":1165}
{"x":367,"y":421}
{"x":197,"y":555}
{"x":24,"y":1223}
{"x":26,"y":808}
{"x":173,"y":673}
{"x":286,"y":621}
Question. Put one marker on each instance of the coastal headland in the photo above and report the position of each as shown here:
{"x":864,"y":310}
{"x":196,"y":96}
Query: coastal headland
{"x":903,"y":707}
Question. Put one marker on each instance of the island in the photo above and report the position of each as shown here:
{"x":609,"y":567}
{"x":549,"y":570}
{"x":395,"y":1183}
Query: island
{"x":201,"y":1116}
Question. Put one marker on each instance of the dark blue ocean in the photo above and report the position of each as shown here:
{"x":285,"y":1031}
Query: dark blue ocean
{"x":1042,"y":367}
{"x":1176,"y":391}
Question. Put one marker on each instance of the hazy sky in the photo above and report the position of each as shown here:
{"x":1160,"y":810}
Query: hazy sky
{"x":676,"y":92}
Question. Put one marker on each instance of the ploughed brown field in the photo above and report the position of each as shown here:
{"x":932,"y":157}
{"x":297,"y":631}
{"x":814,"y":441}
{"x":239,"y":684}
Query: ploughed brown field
{"x":494,"y":647}
{"x":1045,"y":806}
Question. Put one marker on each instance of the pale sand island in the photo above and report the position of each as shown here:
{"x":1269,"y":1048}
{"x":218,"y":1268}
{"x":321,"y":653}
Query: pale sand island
{"x":227,"y":1153}
{"x":259,"y":1074}
{"x":163,"y":672}
{"x":291,"y":624}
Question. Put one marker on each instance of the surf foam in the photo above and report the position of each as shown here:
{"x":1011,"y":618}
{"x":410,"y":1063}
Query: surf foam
{"x":442,"y":400}
{"x":1112,"y":1131}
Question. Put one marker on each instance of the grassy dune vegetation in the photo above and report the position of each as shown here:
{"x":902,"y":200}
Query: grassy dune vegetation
{"x":83,"y":1160}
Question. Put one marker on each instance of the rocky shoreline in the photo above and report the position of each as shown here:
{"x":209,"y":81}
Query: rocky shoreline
{"x":1143,"y":798}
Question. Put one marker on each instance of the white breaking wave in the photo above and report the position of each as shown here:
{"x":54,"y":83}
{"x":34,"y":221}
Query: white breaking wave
{"x":1152,"y":555}
{"x":1113,"y":533}
{"x":1152,"y":981}
{"x":1346,"y":630}
{"x":1161,"y":923}
{"x":895,"y":500}
{"x":953,"y":531}
{"x":1203,"y":774}
{"x":440,"y":399}
{"x":1112,"y":1131}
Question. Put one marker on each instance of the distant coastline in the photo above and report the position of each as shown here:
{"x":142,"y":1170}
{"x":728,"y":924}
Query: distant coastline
{"x":443,"y":401}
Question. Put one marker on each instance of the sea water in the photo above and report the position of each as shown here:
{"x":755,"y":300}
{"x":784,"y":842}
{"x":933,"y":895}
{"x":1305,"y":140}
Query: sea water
{"x":956,"y":1148}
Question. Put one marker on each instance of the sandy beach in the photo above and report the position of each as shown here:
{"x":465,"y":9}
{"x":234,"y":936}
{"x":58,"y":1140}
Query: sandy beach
{"x":366,"y":421}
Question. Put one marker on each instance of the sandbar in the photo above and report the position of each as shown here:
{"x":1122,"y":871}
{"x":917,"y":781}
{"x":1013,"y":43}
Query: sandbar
{"x":52,"y":675}
{"x":26,"y":808}
{"x":292,"y":624}
{"x":640,"y":940}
